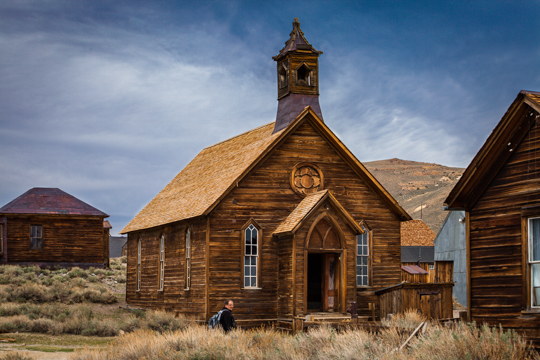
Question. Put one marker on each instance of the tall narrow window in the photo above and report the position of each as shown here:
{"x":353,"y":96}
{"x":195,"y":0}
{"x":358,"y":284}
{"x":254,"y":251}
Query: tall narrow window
{"x":187,"y":279}
{"x":139,"y":246}
{"x":36,"y":239}
{"x":161,"y":262}
{"x":362,"y":258}
{"x":534,"y":261}
{"x":251,"y":256}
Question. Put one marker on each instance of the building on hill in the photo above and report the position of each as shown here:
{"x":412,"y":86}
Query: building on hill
{"x":283,"y":219}
{"x":500,"y":194}
{"x":49,"y":227}
{"x":450,"y":246}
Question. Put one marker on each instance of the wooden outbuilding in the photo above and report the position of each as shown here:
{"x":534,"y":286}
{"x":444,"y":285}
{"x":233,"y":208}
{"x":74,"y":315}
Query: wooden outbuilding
{"x":49,"y":227}
{"x":283,"y":219}
{"x":417,"y":251}
{"x":500,"y":194}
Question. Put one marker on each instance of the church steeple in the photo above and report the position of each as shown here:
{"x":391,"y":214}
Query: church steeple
{"x":298,"y":78}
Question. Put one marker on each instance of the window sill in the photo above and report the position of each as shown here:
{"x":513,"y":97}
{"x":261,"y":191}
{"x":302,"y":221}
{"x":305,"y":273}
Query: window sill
{"x":186,"y":289}
{"x":251,"y":288}
{"x":160,"y":291}
{"x":364,"y":287}
{"x":531,"y":312}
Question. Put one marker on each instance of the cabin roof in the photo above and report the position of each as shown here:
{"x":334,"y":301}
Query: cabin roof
{"x":411,"y":254}
{"x":416,"y":233}
{"x":296,"y":41}
{"x":495,"y":152}
{"x":307,"y":206}
{"x":107,"y":224}
{"x":413,"y":269}
{"x":217,"y":169}
{"x":50,"y":201}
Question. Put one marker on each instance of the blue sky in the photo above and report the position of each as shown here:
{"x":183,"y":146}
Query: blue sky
{"x":109,"y":100}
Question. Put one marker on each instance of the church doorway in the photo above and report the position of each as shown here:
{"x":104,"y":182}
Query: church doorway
{"x":323,"y":282}
{"x":323,"y":267}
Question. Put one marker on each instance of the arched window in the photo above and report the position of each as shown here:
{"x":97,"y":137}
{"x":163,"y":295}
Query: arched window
{"x":187,"y":269}
{"x":363,"y":257}
{"x":251,"y":244}
{"x":303,"y":75}
{"x":161,"y":274}
{"x":139,"y":247}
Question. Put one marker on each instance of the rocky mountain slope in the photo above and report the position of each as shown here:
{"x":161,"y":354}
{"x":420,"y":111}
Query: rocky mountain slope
{"x":420,"y":188}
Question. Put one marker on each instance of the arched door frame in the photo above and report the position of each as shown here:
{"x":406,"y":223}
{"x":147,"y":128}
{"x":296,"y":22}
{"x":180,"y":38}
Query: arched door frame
{"x":342,"y":251}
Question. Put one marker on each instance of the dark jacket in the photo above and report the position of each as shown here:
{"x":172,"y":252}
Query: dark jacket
{"x":227,"y":320}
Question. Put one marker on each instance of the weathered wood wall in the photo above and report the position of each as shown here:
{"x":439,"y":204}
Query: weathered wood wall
{"x":174,"y":295}
{"x":74,"y":239}
{"x":496,"y":264}
{"x":266,"y":196}
{"x":433,"y":300}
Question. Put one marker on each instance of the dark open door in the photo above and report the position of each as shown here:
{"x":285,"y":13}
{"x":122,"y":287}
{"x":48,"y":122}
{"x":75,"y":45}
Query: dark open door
{"x":323,"y":253}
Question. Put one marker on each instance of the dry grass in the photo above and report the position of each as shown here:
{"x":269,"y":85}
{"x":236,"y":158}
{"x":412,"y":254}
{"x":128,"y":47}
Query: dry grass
{"x":196,"y":342}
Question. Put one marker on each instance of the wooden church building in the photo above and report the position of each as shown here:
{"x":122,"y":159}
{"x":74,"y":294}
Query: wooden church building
{"x":500,"y":194}
{"x":283,"y":219}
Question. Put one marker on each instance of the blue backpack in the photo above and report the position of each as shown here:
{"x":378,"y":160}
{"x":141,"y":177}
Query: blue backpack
{"x":215,"y":320}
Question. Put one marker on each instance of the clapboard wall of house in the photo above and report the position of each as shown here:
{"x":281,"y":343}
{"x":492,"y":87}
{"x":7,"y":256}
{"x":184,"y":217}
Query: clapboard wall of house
{"x":174,"y":296}
{"x":72,"y":239}
{"x":496,"y":238}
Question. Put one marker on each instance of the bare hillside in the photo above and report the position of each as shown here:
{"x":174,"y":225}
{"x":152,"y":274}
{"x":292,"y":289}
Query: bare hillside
{"x":420,"y":188}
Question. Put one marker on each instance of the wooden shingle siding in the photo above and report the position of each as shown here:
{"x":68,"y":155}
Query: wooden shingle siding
{"x":65,"y":240}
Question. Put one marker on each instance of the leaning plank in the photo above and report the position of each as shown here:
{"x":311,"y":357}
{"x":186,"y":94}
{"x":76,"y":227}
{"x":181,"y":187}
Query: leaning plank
{"x":410,"y":337}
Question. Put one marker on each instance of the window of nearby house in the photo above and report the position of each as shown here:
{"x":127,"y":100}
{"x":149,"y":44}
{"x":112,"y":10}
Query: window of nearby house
{"x":362,"y":258}
{"x":161,"y":262}
{"x":251,"y":244}
{"x":534,"y":261}
{"x":139,"y":246}
{"x":187,"y":279}
{"x":36,"y":237}
{"x":431,"y":266}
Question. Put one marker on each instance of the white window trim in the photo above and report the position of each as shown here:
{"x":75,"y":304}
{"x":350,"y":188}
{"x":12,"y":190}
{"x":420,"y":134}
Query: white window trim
{"x":530,"y":263}
{"x":251,"y":227}
{"x":187,"y":277}
{"x":161,"y":263}
{"x":367,"y":235}
{"x":139,"y":248}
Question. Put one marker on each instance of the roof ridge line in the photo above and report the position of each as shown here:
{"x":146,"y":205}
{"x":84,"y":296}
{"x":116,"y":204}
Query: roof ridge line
{"x":234,"y":137}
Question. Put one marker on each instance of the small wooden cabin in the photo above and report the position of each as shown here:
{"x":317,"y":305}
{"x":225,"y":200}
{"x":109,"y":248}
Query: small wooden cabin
{"x":283,"y":219}
{"x":500,"y":194}
{"x":49,"y":227}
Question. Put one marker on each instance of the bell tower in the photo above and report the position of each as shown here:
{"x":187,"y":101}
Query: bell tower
{"x":298,"y":78}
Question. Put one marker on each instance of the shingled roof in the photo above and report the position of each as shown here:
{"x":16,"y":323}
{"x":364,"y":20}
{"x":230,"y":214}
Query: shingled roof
{"x":199,"y":187}
{"x":297,"y":40}
{"x":310,"y":203}
{"x":416,"y":233}
{"x":51,"y":201}
{"x":204,"y":180}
